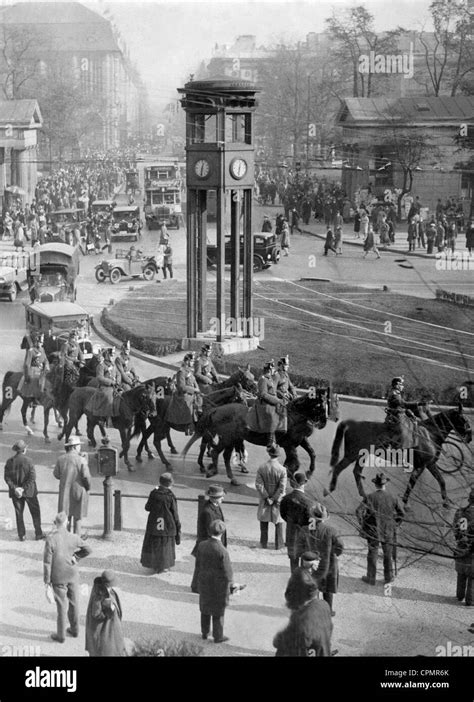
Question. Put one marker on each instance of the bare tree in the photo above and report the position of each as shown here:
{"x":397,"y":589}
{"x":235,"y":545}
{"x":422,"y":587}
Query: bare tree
{"x":449,"y":50}
{"x":19,"y":61}
{"x":354,"y":33}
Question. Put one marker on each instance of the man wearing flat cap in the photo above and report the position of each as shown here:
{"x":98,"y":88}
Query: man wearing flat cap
{"x":379,"y":514}
{"x":62,"y":550}
{"x":209,"y":512}
{"x":270,"y":483}
{"x":464,"y":553}
{"x":20,"y":476}
{"x":295,"y":508}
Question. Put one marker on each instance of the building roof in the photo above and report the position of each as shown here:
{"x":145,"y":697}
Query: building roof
{"x":62,"y":26}
{"x":20,"y":113}
{"x":414,"y":110}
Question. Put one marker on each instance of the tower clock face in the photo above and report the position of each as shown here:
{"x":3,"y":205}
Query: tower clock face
{"x":238,"y":168}
{"x":202,"y":168}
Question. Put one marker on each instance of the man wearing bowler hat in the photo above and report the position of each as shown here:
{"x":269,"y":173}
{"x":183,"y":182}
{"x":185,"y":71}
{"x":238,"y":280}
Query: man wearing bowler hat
{"x":20,"y":476}
{"x":210,"y":511}
{"x":295,"y":508}
{"x":74,"y":477}
{"x":379,"y":514}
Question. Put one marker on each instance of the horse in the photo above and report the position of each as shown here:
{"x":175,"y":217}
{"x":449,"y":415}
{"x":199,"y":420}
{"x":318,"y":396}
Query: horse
{"x":10,"y":392}
{"x":160,"y":427}
{"x":132,"y":404}
{"x":432,"y":432}
{"x":229,"y":423}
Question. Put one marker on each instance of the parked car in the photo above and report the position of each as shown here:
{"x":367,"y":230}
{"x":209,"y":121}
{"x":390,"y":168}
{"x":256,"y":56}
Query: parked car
{"x":127,"y":264}
{"x":266,"y":251}
{"x":12,"y":281}
{"x":57,"y":317}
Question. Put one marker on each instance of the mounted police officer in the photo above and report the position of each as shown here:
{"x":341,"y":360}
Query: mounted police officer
{"x":263,"y":417}
{"x":186,"y":403}
{"x":127,"y":376}
{"x":101,"y":403}
{"x":35,"y":368}
{"x":400,"y":420}
{"x":285,"y":390}
{"x":71,"y":351}
{"x":204,"y":370}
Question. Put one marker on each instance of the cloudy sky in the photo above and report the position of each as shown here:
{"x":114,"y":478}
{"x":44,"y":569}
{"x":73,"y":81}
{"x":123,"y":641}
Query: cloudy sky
{"x":168,"y":39}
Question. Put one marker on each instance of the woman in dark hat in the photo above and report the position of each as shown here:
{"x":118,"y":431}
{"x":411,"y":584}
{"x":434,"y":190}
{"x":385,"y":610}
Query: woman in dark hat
{"x":163,"y":529}
{"x":104,"y":636}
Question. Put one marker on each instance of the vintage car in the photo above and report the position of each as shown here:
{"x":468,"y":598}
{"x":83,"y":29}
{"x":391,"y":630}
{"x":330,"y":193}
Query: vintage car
{"x":102,"y":206}
{"x":57,"y":317}
{"x":131,"y":181}
{"x":132,"y":263}
{"x":12,"y":281}
{"x":67,"y":219}
{"x":127,"y":224}
{"x":266,"y":251}
{"x":52,"y":272}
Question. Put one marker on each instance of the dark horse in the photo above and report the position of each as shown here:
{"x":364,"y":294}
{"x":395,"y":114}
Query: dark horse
{"x":229,"y":423}
{"x":132,"y":406}
{"x":10,"y":392}
{"x":237,"y":388}
{"x":432,"y":433}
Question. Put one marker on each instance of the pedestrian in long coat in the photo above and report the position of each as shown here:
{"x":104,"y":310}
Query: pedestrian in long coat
{"x":369,"y":243}
{"x":163,"y":529}
{"x":270,"y":483}
{"x":379,"y":514}
{"x":104,"y":635}
{"x":322,"y":538}
{"x":308,"y":632}
{"x":210,"y":512}
{"x":464,"y":553}
{"x":74,"y":477}
{"x":357,"y":223}
{"x":215,"y":582}
{"x":470,"y":236}
{"x":295,"y":508}
{"x":285,"y":237}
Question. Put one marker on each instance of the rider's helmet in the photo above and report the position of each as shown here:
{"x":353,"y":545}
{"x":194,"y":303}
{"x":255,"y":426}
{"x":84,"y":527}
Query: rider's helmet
{"x":125,"y":348}
{"x":96,"y":350}
{"x":397,"y":381}
{"x":284,"y":361}
{"x":206,"y":348}
{"x":270,"y":365}
{"x":189,"y":356}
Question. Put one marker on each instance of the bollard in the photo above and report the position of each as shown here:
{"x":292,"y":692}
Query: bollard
{"x":107,"y":508}
{"x":117,"y":510}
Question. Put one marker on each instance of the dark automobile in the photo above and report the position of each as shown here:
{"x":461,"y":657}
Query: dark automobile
{"x":266,"y":251}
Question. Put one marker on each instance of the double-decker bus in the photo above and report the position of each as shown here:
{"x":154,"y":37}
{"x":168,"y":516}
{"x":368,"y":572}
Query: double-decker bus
{"x":162,"y":190}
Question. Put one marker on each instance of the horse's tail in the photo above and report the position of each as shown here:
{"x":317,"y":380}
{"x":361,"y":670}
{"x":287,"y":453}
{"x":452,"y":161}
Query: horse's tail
{"x":336,"y":444}
{"x":191,"y":441}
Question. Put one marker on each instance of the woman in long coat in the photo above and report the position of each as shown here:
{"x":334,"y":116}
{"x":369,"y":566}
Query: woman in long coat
{"x":163,"y":529}
{"x":104,"y":636}
{"x":285,"y":237}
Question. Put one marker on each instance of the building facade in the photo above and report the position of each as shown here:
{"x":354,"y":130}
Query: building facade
{"x":20,"y":121}
{"x":70,"y":38}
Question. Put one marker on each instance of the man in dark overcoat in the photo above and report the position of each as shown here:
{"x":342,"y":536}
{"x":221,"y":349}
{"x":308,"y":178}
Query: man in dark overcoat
{"x":295,"y":508}
{"x":210,"y":511}
{"x":20,"y":476}
{"x":75,"y":480}
{"x":464,"y":554}
{"x":379,"y":515}
{"x":214,"y":582}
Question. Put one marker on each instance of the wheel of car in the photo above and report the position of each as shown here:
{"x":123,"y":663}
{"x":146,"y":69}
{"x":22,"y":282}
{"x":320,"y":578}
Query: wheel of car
{"x":257,"y":264}
{"x":276,"y":255}
{"x":100,"y":275}
{"x":13,"y":294}
{"x":149,"y":272}
{"x":115,"y":276}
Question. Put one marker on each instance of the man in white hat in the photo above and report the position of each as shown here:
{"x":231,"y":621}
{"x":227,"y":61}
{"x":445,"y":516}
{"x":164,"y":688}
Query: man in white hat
{"x":20,"y":476}
{"x":74,"y":477}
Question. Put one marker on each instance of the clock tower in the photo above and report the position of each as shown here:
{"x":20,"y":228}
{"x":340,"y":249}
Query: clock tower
{"x":220,"y":161}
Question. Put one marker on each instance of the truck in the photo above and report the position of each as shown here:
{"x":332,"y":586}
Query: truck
{"x":13,"y":273}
